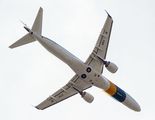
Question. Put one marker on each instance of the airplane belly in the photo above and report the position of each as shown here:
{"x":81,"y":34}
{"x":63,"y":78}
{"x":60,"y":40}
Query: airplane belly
{"x":87,"y":74}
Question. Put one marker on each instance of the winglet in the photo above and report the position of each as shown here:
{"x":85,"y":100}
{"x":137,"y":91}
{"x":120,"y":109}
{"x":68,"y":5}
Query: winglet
{"x":108,"y":14}
{"x":38,"y":108}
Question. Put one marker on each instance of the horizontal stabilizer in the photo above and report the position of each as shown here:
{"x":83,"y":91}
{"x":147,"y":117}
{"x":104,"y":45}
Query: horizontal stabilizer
{"x":24,"y":40}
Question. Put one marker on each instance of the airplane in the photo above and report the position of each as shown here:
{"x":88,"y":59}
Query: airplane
{"x":87,"y":74}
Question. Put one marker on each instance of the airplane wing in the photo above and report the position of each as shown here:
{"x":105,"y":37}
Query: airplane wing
{"x":64,"y":92}
{"x":100,"y":49}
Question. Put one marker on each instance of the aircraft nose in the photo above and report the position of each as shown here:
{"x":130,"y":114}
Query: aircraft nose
{"x":131,"y":103}
{"x":137,"y":107}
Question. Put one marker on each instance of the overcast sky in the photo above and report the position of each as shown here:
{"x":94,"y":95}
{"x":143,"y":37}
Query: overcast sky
{"x":29,"y":74}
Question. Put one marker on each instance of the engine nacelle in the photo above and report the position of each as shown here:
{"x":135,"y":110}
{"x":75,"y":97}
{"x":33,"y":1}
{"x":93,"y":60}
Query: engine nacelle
{"x":87,"y":97}
{"x":111,"y":67}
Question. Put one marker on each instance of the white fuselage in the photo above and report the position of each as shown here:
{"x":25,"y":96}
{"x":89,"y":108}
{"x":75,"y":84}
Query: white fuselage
{"x":92,"y":77}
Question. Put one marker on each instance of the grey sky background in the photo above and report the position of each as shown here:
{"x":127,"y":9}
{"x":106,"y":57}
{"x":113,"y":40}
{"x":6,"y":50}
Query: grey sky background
{"x":29,"y":74}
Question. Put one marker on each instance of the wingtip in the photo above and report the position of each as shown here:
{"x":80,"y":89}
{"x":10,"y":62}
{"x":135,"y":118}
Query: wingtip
{"x":37,"y":108}
{"x":108,"y":14}
{"x":34,"y":106}
{"x":10,"y":47}
{"x":41,"y":8}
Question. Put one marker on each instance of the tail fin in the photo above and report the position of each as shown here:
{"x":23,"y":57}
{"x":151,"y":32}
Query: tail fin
{"x":37,"y":25}
{"x":28,"y":38}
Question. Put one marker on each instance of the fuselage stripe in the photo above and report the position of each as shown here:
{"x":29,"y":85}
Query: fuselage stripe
{"x":119,"y":95}
{"x":112,"y":89}
{"x":116,"y":92}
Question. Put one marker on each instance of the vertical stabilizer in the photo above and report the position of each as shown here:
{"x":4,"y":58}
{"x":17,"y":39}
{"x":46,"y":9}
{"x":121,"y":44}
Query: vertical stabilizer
{"x":37,"y":25}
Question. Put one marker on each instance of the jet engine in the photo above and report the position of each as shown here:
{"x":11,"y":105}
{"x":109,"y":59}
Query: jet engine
{"x":87,"y":97}
{"x":111,"y":67}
